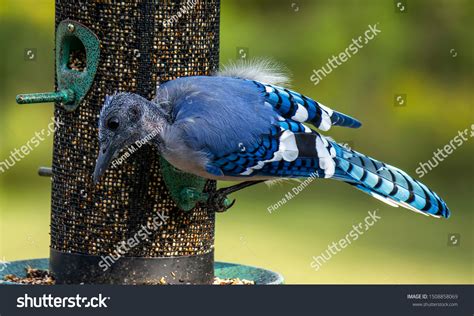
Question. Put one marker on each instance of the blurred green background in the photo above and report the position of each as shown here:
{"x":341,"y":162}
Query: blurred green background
{"x":425,"y":52}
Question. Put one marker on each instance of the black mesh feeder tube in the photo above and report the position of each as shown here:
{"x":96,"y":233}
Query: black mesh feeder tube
{"x":127,"y":229}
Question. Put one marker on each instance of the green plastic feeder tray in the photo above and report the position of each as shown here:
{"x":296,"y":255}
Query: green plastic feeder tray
{"x":222,"y":270}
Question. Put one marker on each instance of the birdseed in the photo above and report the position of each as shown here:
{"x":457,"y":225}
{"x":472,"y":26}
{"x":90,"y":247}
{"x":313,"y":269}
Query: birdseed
{"x":43,"y":277}
{"x":233,"y":281}
{"x":33,"y":277}
{"x":77,"y":60}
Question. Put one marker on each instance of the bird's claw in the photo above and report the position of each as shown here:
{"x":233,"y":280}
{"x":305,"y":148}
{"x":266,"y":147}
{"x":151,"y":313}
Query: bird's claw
{"x":219,"y":202}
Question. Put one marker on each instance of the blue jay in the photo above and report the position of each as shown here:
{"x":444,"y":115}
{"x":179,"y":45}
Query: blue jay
{"x":242,"y":124}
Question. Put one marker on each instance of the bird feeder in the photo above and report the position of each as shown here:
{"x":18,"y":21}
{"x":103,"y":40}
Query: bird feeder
{"x":143,"y":223}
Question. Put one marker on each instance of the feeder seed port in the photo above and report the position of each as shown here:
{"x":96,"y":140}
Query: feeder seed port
{"x":72,"y":40}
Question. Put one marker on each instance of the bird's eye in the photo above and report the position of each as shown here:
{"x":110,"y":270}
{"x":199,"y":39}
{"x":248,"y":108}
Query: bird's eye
{"x":113,"y":123}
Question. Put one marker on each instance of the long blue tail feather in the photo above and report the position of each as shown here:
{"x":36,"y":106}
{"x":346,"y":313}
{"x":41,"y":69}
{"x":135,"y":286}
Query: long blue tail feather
{"x":387,"y":183}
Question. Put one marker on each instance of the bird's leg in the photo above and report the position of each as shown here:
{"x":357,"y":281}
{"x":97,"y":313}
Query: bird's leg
{"x":219,"y":201}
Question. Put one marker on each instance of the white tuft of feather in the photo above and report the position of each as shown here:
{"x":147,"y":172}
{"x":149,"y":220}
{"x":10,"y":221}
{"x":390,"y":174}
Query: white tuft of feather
{"x":264,"y":70}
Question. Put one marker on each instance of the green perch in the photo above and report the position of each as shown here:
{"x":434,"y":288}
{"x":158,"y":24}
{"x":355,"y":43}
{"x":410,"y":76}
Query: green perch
{"x":65,"y":96}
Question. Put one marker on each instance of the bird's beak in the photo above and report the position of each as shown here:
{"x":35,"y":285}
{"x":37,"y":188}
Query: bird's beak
{"x":106,"y":155}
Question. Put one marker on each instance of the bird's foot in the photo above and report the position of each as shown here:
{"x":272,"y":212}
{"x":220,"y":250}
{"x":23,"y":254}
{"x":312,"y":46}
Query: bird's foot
{"x":216,"y":201}
{"x":219,"y":202}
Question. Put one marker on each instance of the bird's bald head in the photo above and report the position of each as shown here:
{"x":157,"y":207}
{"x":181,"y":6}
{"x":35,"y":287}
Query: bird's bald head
{"x":125,"y":118}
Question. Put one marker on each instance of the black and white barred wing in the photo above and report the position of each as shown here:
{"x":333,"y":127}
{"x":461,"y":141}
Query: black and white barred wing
{"x":297,"y":107}
{"x":289,"y":150}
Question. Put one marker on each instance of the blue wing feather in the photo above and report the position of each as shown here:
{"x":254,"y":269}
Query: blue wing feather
{"x":262,"y":159}
{"x":293,"y":105}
